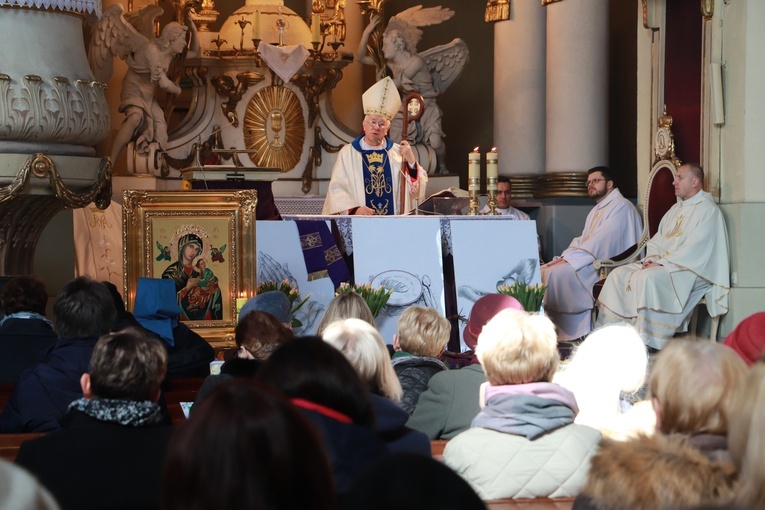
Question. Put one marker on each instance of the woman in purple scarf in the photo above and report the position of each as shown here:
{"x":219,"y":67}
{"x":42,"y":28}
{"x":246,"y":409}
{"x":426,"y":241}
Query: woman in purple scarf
{"x":524,"y":442}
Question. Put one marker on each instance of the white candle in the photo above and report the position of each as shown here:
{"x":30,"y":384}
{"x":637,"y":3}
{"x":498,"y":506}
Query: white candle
{"x":492,"y":169}
{"x":315,"y":28}
{"x":474,"y":170}
{"x":256,"y":25}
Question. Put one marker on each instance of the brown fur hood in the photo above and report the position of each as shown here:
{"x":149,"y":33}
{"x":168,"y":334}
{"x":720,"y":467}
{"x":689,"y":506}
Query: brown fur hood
{"x":656,"y":472}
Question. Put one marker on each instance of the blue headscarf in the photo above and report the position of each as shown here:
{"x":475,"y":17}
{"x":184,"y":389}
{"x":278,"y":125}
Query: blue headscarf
{"x":156,"y":307}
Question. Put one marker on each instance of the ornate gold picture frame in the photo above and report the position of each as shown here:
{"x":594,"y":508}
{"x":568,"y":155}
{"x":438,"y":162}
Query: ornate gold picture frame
{"x":205,"y":235}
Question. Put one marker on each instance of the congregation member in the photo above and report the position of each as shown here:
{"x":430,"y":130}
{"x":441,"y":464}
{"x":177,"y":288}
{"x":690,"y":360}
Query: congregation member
{"x":257,"y":335}
{"x":366,"y":351}
{"x":612,"y":226}
{"x":748,"y":338}
{"x":609,"y":366}
{"x":412,"y":482}
{"x":156,"y":309}
{"x":110,"y":451}
{"x":503,"y":195}
{"x":25,"y":332}
{"x":247,"y":447}
{"x":274,"y":302}
{"x":422,"y":335}
{"x":319,"y":380}
{"x":686,"y":462}
{"x":83,"y":312}
{"x":451,"y":402}
{"x":348,"y":305}
{"x":19,"y":490}
{"x":373,"y":175}
{"x":524,"y":442}
{"x":747,"y":438}
{"x":686,"y":260}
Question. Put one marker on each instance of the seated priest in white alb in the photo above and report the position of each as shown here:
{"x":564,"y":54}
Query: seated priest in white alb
{"x":686,"y":260}
{"x":503,"y":201}
{"x":612,"y":226}
{"x":373,"y":175}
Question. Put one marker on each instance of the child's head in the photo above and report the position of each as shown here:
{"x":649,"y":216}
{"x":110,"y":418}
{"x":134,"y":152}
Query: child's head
{"x":200,"y":264}
{"x":422,"y":331}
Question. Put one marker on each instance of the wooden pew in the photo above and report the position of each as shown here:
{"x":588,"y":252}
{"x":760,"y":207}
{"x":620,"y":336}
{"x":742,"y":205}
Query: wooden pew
{"x":177,"y":391}
{"x":530,"y":504}
{"x":10,"y":444}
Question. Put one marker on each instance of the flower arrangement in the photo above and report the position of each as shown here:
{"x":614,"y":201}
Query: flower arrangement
{"x":289,"y":290}
{"x":375,"y":298}
{"x":529,"y":296}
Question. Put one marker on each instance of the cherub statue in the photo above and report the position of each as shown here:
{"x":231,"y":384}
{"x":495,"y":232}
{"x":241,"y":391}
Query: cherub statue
{"x":131,"y":37}
{"x":429,"y":73}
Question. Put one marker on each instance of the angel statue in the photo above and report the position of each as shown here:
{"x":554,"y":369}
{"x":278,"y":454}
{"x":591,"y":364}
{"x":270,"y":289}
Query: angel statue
{"x":428,"y":73}
{"x":131,"y":37}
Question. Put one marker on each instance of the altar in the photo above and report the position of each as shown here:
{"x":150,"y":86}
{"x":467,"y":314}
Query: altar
{"x":444,"y":262}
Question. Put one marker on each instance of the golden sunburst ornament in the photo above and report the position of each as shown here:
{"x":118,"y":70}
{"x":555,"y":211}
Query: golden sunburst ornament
{"x":275,"y":127}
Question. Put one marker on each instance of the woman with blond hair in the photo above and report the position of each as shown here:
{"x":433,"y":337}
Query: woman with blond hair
{"x":524,"y":442}
{"x":747,"y":438}
{"x":348,"y":305}
{"x":365,"y":349}
{"x":685,"y":463}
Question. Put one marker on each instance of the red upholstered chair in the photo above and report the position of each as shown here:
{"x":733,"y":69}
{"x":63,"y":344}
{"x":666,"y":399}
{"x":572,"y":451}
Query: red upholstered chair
{"x":659,"y":198}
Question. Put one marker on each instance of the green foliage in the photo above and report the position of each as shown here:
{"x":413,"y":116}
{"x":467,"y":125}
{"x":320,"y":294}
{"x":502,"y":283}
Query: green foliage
{"x":375,"y":298}
{"x":529,"y":296}
{"x":293,"y":295}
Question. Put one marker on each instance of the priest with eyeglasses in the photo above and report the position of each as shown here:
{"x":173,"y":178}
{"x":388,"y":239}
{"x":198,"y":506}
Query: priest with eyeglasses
{"x":373,"y":175}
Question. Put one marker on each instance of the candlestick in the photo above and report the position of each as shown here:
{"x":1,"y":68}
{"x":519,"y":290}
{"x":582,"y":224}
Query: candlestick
{"x":492,"y":170}
{"x":474,"y":170}
{"x":256,"y":25}
{"x":474,"y":180}
{"x":315,"y":28}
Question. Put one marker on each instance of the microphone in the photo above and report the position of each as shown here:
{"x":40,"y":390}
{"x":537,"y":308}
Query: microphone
{"x":377,"y":140}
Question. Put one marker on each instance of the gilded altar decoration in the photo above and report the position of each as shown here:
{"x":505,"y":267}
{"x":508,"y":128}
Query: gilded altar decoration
{"x":546,"y":2}
{"x":274,"y":126}
{"x":204,"y":242}
{"x":224,"y":86}
{"x":497,"y":10}
{"x":42,"y":166}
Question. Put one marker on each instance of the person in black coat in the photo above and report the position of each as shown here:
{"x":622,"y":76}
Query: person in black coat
{"x":83,"y":312}
{"x":25,"y":332}
{"x":110,"y":451}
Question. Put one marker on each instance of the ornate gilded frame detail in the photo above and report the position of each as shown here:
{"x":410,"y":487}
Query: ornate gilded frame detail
{"x":224,"y":221}
{"x":664,"y":140}
{"x":497,"y":10}
{"x":274,"y":126}
{"x":224,"y":86}
{"x":42,"y":166}
{"x":548,"y":2}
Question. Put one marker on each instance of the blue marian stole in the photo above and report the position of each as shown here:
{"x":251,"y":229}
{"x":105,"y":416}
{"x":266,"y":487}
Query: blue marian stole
{"x":378,"y":180}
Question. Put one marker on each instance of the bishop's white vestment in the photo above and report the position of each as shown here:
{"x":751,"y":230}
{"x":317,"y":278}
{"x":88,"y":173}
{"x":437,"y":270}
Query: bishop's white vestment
{"x":612,"y":226}
{"x":347,"y":186}
{"x":692,"y":247}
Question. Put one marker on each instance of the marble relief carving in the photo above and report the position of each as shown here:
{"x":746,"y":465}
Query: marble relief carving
{"x":62,"y":110}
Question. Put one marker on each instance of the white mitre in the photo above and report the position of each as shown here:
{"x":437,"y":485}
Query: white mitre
{"x":382,"y":99}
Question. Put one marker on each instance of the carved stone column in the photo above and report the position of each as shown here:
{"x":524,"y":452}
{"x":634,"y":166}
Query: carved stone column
{"x":577,"y":92}
{"x":519,"y":89}
{"x":52,"y":113}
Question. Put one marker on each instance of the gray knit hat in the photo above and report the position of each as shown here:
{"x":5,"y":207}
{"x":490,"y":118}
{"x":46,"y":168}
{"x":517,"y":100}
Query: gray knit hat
{"x":274,"y":302}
